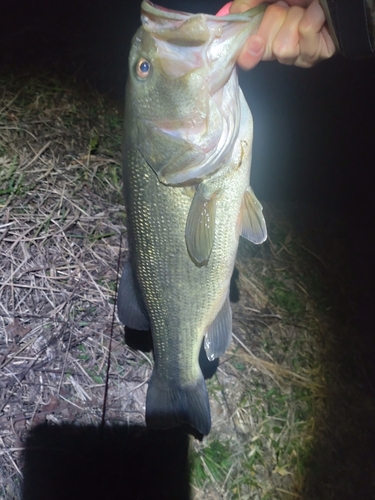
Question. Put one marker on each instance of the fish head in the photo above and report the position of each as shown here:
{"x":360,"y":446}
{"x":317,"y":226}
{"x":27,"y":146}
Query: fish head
{"x":182,"y":100}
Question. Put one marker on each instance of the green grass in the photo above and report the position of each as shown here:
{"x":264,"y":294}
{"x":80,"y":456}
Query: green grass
{"x":280,"y":295}
{"x":10,"y":180}
{"x":279,"y":446}
{"x":212,"y":463}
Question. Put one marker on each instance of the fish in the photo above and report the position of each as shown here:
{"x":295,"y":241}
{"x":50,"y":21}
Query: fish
{"x":186,"y":169}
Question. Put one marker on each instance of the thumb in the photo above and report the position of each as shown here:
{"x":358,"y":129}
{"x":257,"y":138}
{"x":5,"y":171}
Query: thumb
{"x":252,"y":53}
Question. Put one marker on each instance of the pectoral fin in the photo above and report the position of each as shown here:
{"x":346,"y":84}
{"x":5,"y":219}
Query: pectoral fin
{"x":200,"y":227}
{"x":129,"y":304}
{"x":253,"y":224}
{"x":219,"y":334}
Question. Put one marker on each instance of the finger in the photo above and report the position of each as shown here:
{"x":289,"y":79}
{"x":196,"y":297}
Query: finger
{"x":286,"y":46}
{"x":315,"y":41}
{"x":299,"y":3}
{"x":252,"y":52}
{"x":273,"y":19}
{"x":255,"y":47}
{"x":242,"y":5}
{"x":260,"y":46}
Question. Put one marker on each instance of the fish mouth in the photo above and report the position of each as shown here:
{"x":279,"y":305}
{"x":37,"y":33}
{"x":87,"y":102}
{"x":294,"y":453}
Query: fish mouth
{"x":222,"y":36}
{"x":152,"y":8}
{"x":197,"y":54}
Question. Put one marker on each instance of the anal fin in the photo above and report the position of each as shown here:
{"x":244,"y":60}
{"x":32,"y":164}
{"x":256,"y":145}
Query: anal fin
{"x":253,"y":224}
{"x":219,"y":333}
{"x":129,"y":306}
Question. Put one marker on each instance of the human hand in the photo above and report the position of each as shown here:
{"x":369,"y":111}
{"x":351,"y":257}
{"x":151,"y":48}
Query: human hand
{"x":292,"y":31}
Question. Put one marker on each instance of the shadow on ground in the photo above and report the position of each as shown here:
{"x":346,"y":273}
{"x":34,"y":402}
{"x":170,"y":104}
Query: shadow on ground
{"x":87,"y":462}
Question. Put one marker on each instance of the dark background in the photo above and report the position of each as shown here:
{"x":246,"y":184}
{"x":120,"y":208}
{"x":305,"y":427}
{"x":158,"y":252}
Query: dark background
{"x":313,"y":128}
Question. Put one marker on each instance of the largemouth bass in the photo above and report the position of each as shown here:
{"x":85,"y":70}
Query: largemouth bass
{"x":186,"y":169}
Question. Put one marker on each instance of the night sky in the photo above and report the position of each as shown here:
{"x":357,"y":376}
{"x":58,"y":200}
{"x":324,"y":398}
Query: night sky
{"x":314,"y":129}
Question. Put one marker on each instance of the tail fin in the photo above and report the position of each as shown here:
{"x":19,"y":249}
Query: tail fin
{"x":170,"y":405}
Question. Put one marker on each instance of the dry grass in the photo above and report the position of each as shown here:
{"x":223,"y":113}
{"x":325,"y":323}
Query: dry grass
{"x":62,"y":239}
{"x":266,"y":388}
{"x":60,"y":243}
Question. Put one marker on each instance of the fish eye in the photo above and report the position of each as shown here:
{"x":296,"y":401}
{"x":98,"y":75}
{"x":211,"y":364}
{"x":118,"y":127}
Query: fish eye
{"x":143,"y":68}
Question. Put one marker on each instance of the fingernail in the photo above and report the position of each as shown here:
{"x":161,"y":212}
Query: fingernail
{"x":224,"y":11}
{"x":254,"y":47}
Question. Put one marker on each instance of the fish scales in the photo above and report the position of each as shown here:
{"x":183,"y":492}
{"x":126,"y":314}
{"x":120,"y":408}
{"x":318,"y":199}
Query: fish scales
{"x":183,"y":234}
{"x":157,"y":218}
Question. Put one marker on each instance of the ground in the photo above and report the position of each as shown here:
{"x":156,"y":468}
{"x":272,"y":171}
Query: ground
{"x":292,"y":415}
